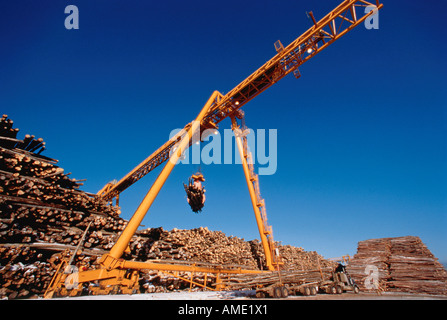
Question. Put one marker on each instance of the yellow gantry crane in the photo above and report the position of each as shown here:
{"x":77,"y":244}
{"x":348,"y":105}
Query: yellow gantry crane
{"x":119,"y":275}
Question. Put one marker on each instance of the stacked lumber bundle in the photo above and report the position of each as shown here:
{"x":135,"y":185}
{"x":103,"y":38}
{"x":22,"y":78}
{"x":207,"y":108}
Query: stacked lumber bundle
{"x":373,"y":253}
{"x":413,"y":268}
{"x":404,"y":264}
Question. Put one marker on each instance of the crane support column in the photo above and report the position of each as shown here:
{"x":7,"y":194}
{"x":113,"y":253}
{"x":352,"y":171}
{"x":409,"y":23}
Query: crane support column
{"x":118,"y":249}
{"x":248,"y":177}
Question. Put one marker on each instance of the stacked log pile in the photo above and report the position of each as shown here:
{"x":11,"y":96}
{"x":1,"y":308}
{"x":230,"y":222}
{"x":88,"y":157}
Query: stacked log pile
{"x":8,"y":138}
{"x":42,"y":212}
{"x":43,"y":215}
{"x":23,"y":271}
{"x":295,"y":258}
{"x":197,"y":245}
{"x":251,"y":281}
{"x":203,"y":245}
{"x":404,"y":264}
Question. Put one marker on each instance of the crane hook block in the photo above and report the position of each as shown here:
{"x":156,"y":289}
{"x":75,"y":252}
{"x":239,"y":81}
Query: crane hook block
{"x":195,"y":192}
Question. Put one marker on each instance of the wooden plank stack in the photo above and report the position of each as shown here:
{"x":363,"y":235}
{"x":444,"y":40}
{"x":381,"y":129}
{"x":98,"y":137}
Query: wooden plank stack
{"x":374,"y":252}
{"x":404,"y":264}
{"x":43,"y":215}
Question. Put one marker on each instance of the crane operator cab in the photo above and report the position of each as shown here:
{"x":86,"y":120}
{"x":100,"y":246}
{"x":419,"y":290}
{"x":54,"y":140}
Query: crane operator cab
{"x":195,"y":192}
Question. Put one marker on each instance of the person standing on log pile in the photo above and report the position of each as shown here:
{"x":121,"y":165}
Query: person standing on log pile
{"x":196,"y":192}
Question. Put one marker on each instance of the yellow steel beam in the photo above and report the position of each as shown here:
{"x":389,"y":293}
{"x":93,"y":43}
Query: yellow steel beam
{"x":114,"y":273}
{"x":110,"y":190}
{"x":254,"y":202}
{"x":135,"y":265}
{"x":291,"y":57}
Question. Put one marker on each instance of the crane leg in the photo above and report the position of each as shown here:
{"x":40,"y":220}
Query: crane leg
{"x":249,"y":177}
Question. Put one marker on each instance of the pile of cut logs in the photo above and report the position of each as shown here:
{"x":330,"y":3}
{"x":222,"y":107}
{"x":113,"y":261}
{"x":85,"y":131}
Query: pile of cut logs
{"x":195,"y":245}
{"x":43,"y":216}
{"x":402,"y":264}
{"x":203,"y":245}
{"x":42,"y":213}
{"x":8,"y":138}
{"x":251,"y":281}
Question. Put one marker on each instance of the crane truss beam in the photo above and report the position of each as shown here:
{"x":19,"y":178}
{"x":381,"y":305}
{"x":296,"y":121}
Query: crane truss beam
{"x":345,"y":17}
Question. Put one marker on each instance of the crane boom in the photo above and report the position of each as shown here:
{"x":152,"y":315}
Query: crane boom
{"x":323,"y":33}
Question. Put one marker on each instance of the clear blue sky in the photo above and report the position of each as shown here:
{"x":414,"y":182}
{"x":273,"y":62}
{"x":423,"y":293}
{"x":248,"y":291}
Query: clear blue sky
{"x":362,"y":135}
